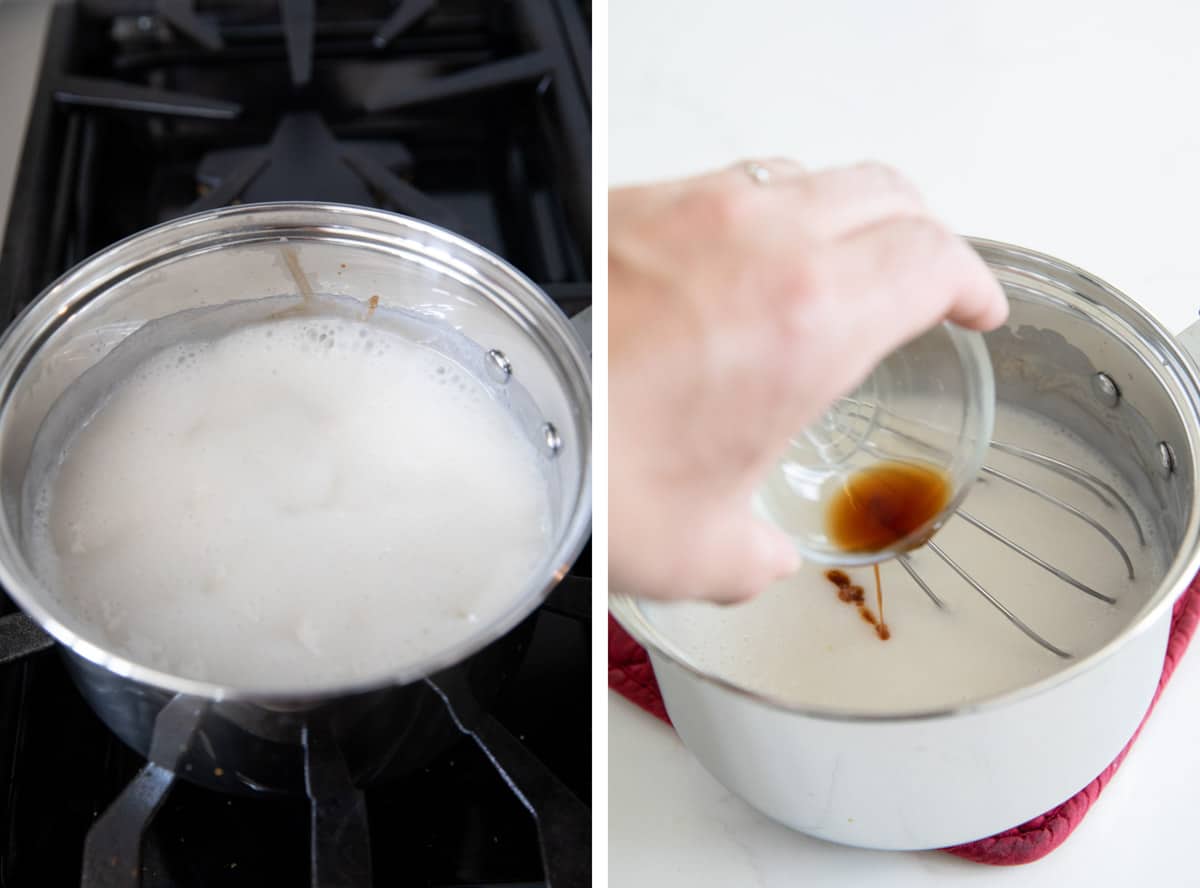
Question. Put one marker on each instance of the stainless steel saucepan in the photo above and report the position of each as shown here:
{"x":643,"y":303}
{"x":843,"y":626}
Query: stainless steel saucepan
{"x":232,"y":738}
{"x":1083,"y":357}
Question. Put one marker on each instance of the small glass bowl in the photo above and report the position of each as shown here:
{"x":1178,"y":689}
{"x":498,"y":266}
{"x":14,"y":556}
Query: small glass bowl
{"x":929,"y":406}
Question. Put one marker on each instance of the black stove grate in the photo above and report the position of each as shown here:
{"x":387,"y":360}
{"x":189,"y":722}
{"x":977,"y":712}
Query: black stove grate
{"x":479,"y":117}
{"x":456,"y":822}
{"x":472,"y":115}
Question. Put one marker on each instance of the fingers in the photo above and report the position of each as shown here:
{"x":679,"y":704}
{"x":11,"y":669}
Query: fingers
{"x":835,"y":202}
{"x":983,"y":306}
{"x":870,"y":207}
{"x":824,"y":204}
{"x":778,"y":170}
{"x":739,"y":557}
{"x":899,"y":277}
{"x":882,"y":225}
{"x":727,"y":556}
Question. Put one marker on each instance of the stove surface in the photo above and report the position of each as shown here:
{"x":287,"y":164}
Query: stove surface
{"x":471,"y":115}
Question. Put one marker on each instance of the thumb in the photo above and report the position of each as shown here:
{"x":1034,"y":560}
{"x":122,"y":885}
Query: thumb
{"x":742,"y":556}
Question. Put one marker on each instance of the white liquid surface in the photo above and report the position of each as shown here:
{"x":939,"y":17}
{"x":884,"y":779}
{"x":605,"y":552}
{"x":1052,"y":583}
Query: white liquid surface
{"x":300,"y":503}
{"x":798,"y":642}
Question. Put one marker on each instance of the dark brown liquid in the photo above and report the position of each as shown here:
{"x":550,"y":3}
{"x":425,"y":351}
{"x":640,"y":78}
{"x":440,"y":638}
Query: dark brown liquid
{"x":881,"y":630}
{"x":876,"y":507}
{"x":854,"y":594}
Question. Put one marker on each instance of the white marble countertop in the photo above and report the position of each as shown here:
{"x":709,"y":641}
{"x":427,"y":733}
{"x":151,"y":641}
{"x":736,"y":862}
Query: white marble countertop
{"x":1068,"y":127}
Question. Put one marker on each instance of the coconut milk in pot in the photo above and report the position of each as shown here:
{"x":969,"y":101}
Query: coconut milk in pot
{"x":302,"y":499}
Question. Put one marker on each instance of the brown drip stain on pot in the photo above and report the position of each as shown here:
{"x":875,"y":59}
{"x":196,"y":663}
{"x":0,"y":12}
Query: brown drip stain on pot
{"x":302,"y":283}
{"x":875,"y":508}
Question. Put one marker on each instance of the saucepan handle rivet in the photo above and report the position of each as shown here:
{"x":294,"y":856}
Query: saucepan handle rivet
{"x":499,"y":366}
{"x":1106,"y":390}
{"x":1166,"y":459}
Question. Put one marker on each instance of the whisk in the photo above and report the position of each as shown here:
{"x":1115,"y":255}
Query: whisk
{"x":1104,"y":492}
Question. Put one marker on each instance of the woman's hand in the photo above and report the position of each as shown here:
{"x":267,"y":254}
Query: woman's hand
{"x":742,"y":304}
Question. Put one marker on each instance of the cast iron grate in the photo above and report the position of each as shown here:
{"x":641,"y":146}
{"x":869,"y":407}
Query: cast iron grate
{"x":474,"y":115}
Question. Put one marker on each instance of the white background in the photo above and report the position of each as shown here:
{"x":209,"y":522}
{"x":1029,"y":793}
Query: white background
{"x":1070,"y":128}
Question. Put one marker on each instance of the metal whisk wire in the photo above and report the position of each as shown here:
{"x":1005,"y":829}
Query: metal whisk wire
{"x":1103,"y":491}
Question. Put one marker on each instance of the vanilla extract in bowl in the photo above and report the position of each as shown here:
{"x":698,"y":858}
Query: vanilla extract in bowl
{"x":874,"y":508}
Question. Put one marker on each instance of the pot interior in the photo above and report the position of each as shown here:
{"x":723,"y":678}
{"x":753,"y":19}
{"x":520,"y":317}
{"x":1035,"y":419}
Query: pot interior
{"x":1082,"y":527}
{"x":233,"y":262}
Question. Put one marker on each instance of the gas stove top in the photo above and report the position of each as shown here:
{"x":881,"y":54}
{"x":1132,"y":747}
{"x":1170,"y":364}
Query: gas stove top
{"x":471,"y":115}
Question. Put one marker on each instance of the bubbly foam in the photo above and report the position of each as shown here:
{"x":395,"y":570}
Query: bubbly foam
{"x":300,"y":502}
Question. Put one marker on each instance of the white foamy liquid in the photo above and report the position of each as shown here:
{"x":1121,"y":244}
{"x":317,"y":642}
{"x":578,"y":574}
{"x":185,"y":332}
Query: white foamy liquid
{"x":798,"y":642}
{"x":298,"y":503}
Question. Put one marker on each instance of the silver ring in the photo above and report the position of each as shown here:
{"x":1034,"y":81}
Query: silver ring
{"x":758,"y":173}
